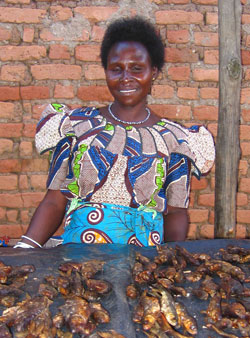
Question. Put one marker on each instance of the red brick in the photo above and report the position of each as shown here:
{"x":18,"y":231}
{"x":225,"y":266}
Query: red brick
{"x":2,"y":213}
{"x":28,"y":34}
{"x":87,"y":53}
{"x":241,"y":199}
{"x":24,"y":216}
{"x":34,"y":165}
{"x":11,"y":230}
{"x":245,"y":57}
{"x":34,"y":92}
{"x":187,"y":93}
{"x":207,"y":231}
{"x":25,"y":148}
{"x":243,"y":216}
{"x":94,"y":93}
{"x":96,"y":13}
{"x":206,"y":200}
{"x":184,"y":55}
{"x":22,"y":53}
{"x":211,"y":57}
{"x":198,"y":184}
{"x":8,"y":182}
{"x":206,"y":39}
{"x":59,"y":13}
{"x":11,"y":215}
{"x":5,"y":34}
{"x":212,"y":127}
{"x":10,"y":166}
{"x":211,"y":217}
{"x":13,"y":73}
{"x":211,"y":18}
{"x":38,"y":182}
{"x":198,"y":215}
{"x":192,"y":231}
{"x":245,"y":96}
{"x":245,"y":19}
{"x":66,"y":92}
{"x":9,"y":93}
{"x":206,"y":75}
{"x":23,"y":2}
{"x":23,"y":182}
{"x":178,"y":17}
{"x":94,"y":72}
{"x":245,"y":148}
{"x":191,"y":199}
{"x":58,"y":52}
{"x":178,"y":36}
{"x":177,"y":2}
{"x":243,"y":167}
{"x":247,"y":74}
{"x":206,"y":113}
{"x":209,"y":93}
{"x":97,"y":33}
{"x":170,"y":111}
{"x":162,"y":91}
{"x":6,"y":146}
{"x":247,"y":40}
{"x":244,"y":185}
{"x":56,"y":72}
{"x":179,"y":73}
{"x":6,"y":110}
{"x":205,"y":2}
{"x":245,"y":132}
{"x":241,"y":231}
{"x":11,"y":129}
{"x":47,"y":35}
{"x":21,"y":15}
{"x":32,"y":199}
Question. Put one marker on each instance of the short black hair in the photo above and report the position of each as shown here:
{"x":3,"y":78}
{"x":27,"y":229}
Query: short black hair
{"x":135,"y":29}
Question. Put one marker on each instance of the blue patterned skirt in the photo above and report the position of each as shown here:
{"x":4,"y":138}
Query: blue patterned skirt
{"x":88,"y":222}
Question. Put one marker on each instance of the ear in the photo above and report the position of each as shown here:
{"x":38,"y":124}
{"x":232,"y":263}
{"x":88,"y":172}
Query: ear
{"x":155,"y":73}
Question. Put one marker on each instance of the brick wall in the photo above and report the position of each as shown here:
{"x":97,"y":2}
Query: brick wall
{"x":49,"y":51}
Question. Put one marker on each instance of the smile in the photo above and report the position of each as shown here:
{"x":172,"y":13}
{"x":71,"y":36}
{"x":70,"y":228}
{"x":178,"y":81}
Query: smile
{"x":128,"y":91}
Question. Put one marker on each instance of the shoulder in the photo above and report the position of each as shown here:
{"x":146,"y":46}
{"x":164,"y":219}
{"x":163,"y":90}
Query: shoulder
{"x":195,"y":142}
{"x":57,"y":121}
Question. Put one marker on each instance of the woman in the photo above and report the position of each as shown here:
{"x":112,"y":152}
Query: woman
{"x":119,"y":174}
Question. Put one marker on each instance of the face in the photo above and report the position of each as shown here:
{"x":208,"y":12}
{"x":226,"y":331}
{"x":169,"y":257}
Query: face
{"x":129,"y":73}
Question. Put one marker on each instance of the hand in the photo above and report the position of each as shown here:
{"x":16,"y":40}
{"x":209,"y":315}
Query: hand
{"x":175,"y":224}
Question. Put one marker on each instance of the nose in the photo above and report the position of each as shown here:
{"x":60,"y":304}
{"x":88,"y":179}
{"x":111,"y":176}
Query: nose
{"x":125,"y":76}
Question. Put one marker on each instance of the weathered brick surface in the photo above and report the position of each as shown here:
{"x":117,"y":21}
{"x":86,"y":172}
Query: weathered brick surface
{"x":50,"y":51}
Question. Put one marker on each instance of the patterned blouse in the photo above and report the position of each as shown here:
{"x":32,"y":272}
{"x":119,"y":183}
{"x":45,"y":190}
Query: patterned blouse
{"x":100,"y":162}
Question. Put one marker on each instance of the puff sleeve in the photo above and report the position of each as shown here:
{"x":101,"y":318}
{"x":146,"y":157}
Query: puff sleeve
{"x":55,"y":134}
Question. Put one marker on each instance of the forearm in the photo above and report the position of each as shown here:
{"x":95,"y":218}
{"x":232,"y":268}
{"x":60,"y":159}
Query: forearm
{"x":47,"y":218}
{"x":176,"y":224}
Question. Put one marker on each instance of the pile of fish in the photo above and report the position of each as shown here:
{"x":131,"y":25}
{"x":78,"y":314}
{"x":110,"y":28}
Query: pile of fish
{"x":162,"y":284}
{"x":80,"y":314}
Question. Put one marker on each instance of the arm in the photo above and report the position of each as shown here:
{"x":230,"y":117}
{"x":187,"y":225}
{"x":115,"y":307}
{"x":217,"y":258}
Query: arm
{"x":47,"y":217}
{"x":175,"y":224}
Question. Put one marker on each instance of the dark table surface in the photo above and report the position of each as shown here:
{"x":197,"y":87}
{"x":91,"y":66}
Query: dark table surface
{"x":117,"y":269}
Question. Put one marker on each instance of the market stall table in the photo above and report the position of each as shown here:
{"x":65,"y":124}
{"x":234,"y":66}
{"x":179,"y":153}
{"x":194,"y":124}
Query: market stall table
{"x":119,"y":260}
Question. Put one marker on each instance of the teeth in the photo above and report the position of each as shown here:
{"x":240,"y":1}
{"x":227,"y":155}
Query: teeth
{"x":127,"y":91}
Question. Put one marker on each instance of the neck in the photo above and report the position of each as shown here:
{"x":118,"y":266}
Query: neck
{"x":129,"y":122}
{"x":130,"y":113}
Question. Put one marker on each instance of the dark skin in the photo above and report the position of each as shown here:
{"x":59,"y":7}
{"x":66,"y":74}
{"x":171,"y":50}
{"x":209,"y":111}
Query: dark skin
{"x":129,"y":77}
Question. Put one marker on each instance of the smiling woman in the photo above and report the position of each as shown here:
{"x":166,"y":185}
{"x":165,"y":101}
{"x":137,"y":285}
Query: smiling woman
{"x":119,"y":174}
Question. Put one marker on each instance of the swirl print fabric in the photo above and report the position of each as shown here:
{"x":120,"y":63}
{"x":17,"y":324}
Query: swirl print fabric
{"x":109,"y":223}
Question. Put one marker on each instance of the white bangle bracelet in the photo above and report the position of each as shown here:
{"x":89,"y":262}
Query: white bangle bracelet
{"x":23,"y":245}
{"x":32,"y":240}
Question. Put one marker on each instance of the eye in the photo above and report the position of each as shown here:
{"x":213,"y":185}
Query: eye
{"x":116,"y":69}
{"x":137,"y":68}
